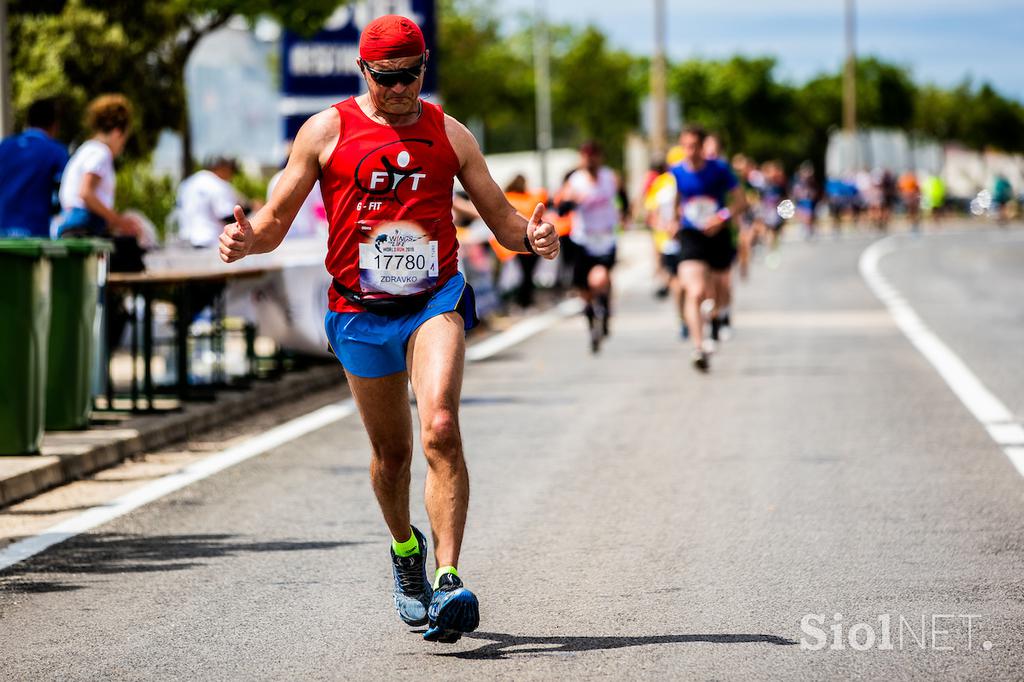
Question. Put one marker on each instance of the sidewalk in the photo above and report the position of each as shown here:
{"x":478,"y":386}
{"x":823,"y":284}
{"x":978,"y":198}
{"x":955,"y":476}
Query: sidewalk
{"x":70,"y":455}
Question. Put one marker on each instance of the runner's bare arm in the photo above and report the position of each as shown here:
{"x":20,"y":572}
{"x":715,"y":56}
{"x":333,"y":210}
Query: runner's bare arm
{"x":737,"y":201}
{"x":266,"y":229}
{"x":677,"y":222}
{"x":624,"y":207}
{"x":117,"y":222}
{"x":508,"y":226}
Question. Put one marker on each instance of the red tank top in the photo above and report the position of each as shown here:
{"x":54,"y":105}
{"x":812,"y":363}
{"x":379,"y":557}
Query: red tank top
{"x":388,"y":194}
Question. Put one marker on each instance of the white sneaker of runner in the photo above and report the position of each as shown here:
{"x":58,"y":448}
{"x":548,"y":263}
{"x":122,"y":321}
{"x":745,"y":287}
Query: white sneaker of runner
{"x":707,"y":306}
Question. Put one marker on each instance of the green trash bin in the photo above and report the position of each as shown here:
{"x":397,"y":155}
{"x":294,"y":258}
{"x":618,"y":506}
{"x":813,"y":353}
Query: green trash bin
{"x":25,"y":312}
{"x":73,"y":333}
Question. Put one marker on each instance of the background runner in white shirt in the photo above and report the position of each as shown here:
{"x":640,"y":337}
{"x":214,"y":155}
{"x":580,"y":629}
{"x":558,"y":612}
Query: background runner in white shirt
{"x":593,"y":192}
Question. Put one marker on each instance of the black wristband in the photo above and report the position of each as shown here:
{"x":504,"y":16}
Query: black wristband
{"x":528,"y":245}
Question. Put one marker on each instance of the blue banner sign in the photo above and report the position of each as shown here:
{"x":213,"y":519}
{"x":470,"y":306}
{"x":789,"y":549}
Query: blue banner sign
{"x":324,"y":65}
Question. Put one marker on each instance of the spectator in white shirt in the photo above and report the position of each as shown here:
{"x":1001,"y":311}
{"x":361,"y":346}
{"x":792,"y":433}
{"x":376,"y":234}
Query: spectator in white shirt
{"x":87,"y":186}
{"x":87,"y":198}
{"x":206,"y":201}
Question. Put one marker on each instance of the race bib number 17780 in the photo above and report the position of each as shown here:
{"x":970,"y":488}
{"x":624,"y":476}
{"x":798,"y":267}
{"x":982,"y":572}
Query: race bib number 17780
{"x":399,"y":259}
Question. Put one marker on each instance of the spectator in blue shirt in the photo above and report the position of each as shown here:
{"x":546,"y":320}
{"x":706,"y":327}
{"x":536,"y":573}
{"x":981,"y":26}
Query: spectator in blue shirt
{"x":31,"y":165}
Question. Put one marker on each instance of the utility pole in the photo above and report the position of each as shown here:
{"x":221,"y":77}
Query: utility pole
{"x":659,"y":86}
{"x":850,"y":72}
{"x":542,"y":86}
{"x":6,"y":106}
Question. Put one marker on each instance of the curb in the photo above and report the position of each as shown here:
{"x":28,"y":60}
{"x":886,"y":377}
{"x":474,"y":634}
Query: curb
{"x":65,"y":458}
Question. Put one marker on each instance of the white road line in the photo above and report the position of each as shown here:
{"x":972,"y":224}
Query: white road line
{"x":625,"y":280}
{"x":251,"y":447}
{"x":523,"y":330}
{"x":997,"y":419}
{"x":255,"y":445}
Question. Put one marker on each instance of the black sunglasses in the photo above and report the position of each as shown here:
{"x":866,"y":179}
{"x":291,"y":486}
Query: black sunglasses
{"x":389,"y":79}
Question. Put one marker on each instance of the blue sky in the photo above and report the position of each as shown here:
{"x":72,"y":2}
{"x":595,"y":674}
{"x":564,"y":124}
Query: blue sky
{"x":941,"y":41}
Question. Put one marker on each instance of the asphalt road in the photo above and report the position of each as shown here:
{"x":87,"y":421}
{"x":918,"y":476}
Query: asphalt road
{"x":629,"y":518}
{"x":969,"y":288}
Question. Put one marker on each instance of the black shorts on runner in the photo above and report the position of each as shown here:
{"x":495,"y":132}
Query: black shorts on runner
{"x":583,"y":263}
{"x":670,"y":263}
{"x":717,"y":251}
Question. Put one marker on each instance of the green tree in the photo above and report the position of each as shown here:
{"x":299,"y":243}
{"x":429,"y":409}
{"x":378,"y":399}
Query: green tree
{"x":743,"y":101}
{"x":78,"y":49}
{"x":484,"y":77}
{"x":596,"y":91}
{"x":740,"y":100}
{"x":938,"y":113}
{"x":817,"y":110}
{"x":891,"y":93}
{"x":75,"y":55}
{"x":990,"y":120}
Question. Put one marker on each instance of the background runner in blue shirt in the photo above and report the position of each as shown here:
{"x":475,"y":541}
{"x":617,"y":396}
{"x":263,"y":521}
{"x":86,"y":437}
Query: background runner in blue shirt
{"x":30,"y":168}
{"x":706,"y":252}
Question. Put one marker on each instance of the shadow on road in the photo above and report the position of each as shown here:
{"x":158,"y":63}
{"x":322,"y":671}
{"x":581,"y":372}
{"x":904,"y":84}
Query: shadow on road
{"x":490,"y":400}
{"x":46,"y":512}
{"x":110,"y":553}
{"x":503,"y":646}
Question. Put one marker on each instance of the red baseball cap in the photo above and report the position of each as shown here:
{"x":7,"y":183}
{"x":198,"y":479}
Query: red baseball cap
{"x":390,"y":37}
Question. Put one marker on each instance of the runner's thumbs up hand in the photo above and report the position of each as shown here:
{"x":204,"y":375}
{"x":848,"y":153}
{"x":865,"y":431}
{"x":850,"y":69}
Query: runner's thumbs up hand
{"x":542,"y":235}
{"x":237,"y":239}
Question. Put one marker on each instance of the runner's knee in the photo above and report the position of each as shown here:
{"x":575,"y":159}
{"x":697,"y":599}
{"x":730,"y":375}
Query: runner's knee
{"x":441,"y":438}
{"x":391,"y":465}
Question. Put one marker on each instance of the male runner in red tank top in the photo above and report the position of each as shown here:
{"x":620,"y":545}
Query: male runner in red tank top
{"x":399,"y":309}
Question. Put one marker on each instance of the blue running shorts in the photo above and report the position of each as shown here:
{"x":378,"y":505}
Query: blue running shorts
{"x":371,"y":345}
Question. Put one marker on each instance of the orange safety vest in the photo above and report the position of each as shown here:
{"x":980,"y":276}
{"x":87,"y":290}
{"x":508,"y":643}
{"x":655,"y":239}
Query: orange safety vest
{"x":524,"y":203}
{"x":562,"y":223}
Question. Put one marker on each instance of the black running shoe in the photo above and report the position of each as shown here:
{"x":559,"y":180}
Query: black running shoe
{"x":595,"y":328}
{"x":700,"y":361}
{"x":412,"y":589}
{"x":453,"y":611}
{"x":604,"y":313}
{"x":725,"y":330}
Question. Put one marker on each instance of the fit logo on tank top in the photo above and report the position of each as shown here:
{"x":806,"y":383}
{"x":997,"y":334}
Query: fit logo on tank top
{"x":379,"y":176}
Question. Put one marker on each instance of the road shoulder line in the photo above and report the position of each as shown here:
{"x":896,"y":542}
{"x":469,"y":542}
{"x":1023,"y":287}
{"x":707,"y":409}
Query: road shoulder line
{"x":997,"y":419}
